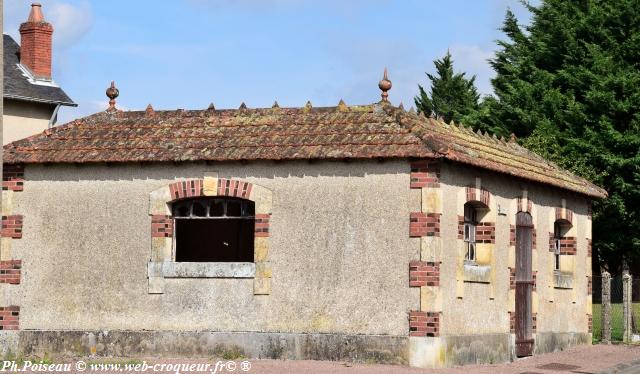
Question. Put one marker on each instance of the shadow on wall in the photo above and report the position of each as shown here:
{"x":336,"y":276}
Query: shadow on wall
{"x":255,"y":169}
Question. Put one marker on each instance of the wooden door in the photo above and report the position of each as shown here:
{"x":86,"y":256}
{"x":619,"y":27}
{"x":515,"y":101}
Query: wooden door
{"x":524,"y":284}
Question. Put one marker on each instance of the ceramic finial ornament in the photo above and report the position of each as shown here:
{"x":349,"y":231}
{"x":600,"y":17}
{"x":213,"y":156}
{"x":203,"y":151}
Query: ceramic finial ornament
{"x":385,"y":85}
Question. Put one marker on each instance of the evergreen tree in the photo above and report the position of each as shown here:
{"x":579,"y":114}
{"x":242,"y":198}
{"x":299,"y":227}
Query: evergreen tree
{"x":452,"y":95}
{"x":569,"y":84}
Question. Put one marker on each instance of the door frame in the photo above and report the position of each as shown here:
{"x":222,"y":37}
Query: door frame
{"x":524,"y":285}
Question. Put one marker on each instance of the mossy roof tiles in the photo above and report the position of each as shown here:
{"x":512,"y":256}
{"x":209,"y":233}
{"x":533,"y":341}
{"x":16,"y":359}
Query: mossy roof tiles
{"x":354,"y":132}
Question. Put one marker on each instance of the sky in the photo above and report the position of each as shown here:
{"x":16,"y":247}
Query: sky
{"x":190,"y":53}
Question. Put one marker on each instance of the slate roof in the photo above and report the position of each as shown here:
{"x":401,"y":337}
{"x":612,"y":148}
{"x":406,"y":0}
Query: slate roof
{"x":353,"y":132}
{"x":18,"y":87}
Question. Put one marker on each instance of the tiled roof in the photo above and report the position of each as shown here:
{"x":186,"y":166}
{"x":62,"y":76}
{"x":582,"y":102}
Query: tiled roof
{"x":358,"y":132}
{"x":18,"y":87}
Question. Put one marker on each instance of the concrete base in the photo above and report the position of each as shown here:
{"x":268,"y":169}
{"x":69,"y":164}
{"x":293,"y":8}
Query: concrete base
{"x":448,"y":351}
{"x":424,"y":352}
{"x":547,"y":342}
{"x":358,"y":348}
{"x":8,"y":344}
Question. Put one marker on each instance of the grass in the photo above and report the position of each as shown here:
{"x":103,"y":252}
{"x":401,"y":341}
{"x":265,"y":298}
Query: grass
{"x":616,"y":321}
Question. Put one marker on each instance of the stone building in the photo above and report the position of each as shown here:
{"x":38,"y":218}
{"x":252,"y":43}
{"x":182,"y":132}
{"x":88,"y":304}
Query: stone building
{"x":341,"y":233}
{"x":31,"y":97}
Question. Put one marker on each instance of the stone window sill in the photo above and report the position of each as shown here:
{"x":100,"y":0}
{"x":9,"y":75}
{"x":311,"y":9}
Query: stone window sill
{"x":202,"y":269}
{"x":477,"y":273}
{"x":562,"y":280}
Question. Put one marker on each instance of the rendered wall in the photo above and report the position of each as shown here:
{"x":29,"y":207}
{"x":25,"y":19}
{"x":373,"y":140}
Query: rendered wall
{"x":355,"y":248}
{"x":339,"y":251}
{"x":22,"y":119}
{"x":477,"y":303}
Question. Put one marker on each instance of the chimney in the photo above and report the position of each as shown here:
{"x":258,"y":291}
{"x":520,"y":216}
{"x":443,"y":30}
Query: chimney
{"x":35,"y":43}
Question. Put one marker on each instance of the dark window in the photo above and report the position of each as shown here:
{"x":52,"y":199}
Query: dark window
{"x":557,"y":237}
{"x":470,"y":224}
{"x":214,"y":230}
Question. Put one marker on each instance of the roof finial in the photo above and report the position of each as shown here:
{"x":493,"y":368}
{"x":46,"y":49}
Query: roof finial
{"x":112,"y":92}
{"x":35,"y":15}
{"x":512,"y":138}
{"x":385,"y":85}
{"x":149,"y":111}
{"x":342,"y":106}
{"x":307,"y":106}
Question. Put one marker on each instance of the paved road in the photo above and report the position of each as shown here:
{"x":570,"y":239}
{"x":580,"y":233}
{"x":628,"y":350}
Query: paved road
{"x":597,"y":359}
{"x":632,"y":367}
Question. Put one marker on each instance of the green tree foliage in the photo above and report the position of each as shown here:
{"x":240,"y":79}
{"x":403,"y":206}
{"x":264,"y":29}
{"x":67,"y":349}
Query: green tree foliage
{"x":569,"y":85}
{"x":452,"y":95}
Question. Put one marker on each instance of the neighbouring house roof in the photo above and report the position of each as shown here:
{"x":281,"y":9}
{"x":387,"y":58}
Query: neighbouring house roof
{"x":342,"y":132}
{"x":19,"y":85}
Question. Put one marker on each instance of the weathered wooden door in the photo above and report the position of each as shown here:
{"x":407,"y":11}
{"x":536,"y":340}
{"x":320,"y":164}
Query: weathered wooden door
{"x":524,"y":284}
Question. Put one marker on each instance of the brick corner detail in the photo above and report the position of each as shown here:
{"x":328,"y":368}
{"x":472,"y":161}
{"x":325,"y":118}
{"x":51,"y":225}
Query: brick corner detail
{"x":422,"y":273}
{"x":9,"y":317}
{"x":424,"y":224}
{"x":424,"y":323}
{"x":12,"y":226}
{"x":10,"y":271}
{"x":13,"y":177}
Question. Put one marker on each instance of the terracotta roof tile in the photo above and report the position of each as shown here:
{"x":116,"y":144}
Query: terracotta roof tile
{"x":371,"y":131}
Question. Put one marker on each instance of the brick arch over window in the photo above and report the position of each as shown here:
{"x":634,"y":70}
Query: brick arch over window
{"x":161,"y":222}
{"x":479,"y":196}
{"x":564,"y":215}
{"x":522,"y":203}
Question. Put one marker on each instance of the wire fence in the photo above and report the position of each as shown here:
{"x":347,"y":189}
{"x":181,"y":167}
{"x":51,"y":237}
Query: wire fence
{"x":635,"y":305}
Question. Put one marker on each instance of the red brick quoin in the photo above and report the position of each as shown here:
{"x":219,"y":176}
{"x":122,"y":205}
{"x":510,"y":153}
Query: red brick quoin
{"x":262,"y":225}
{"x":423,"y":273}
{"x":9,"y":317}
{"x":424,"y":323}
{"x":567,"y":245}
{"x":161,"y":226}
{"x":13,"y":177}
{"x":424,"y":224}
{"x":485,"y":231}
{"x":10,"y":271}
{"x":425,"y":173}
{"x":12,"y":226}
